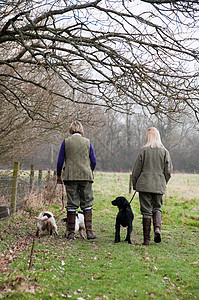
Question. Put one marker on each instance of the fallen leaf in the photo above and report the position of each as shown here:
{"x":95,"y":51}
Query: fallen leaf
{"x":62,"y":263}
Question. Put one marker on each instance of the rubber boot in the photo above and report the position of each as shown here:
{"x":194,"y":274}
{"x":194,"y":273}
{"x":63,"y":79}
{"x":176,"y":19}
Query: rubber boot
{"x":88,"y":224}
{"x":71,"y":215}
{"x":146,"y":230}
{"x":157,"y":226}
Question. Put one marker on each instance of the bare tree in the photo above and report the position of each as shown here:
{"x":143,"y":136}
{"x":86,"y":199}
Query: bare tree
{"x":16,"y":132}
{"x":116,"y":53}
{"x":30,"y":116}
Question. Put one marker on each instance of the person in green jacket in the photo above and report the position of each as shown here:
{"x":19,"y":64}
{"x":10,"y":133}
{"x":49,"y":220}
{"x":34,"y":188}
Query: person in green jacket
{"x":151,"y":173}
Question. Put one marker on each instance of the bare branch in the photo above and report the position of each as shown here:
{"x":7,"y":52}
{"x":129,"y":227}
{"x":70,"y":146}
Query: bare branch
{"x":112,"y":52}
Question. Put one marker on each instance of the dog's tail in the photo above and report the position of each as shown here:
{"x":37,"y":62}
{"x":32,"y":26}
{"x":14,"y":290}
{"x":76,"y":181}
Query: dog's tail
{"x":44,"y":218}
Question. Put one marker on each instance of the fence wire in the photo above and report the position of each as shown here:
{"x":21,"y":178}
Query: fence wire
{"x":26,"y":184}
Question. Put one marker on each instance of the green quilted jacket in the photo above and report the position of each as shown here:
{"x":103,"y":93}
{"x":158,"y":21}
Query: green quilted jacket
{"x":152,"y":170}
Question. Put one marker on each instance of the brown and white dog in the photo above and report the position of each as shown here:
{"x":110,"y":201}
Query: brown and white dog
{"x":46,"y":221}
{"x":79,"y":224}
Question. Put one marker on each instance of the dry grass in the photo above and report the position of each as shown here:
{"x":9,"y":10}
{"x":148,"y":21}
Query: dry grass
{"x":39,"y":201}
{"x":183,"y":186}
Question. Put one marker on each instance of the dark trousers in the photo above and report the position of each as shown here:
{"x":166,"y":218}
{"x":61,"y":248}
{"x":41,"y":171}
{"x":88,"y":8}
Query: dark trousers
{"x":79,"y":194}
{"x":149,"y":203}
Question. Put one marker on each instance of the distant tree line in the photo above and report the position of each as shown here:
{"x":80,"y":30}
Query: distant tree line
{"x":117,"y":144}
{"x":117,"y":139}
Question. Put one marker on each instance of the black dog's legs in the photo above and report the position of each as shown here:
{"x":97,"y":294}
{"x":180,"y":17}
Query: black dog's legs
{"x":128,"y":236}
{"x":117,"y":232}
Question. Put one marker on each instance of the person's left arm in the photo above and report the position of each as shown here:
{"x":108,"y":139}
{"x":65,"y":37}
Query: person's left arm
{"x":168,"y":168}
{"x":93,"y":160}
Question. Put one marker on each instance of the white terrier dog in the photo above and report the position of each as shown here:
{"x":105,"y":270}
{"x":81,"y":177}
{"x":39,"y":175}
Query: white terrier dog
{"x":79,"y":225}
{"x":46,"y":220}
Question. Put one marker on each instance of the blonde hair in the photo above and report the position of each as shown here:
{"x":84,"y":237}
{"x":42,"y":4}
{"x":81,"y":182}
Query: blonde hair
{"x":153,"y":139}
{"x":76,"y":127}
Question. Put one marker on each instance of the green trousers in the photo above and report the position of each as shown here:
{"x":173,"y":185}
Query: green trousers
{"x":149,"y":203}
{"x":79,"y":194}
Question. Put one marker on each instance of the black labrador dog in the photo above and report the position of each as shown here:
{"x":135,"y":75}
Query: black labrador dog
{"x":124,"y":217}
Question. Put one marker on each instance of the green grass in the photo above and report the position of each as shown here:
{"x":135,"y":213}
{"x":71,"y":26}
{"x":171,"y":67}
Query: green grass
{"x":100,"y":269}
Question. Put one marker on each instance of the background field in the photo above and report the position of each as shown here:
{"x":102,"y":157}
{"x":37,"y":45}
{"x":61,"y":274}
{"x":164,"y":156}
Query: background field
{"x":100,"y":269}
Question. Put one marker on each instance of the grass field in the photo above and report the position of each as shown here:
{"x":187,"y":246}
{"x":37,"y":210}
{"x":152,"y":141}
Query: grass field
{"x":100,"y":269}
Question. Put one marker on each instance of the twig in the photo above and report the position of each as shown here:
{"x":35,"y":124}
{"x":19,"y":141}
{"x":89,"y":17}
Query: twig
{"x":31,"y":253}
{"x":52,"y":194}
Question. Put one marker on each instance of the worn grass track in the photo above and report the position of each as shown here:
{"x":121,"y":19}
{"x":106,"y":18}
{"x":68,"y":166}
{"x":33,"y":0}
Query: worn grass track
{"x":100,"y":269}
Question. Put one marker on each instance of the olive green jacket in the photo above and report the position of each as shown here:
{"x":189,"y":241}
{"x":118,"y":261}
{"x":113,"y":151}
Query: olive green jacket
{"x":77,"y":161}
{"x":152,"y":170}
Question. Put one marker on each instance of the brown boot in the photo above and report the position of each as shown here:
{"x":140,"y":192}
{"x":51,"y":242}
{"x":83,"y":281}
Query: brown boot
{"x":157,"y":226}
{"x":88,"y":224}
{"x":146,"y":230}
{"x":71,"y":215}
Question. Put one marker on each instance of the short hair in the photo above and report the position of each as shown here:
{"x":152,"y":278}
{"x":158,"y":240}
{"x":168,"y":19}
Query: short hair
{"x":153,"y":139}
{"x":76,"y":127}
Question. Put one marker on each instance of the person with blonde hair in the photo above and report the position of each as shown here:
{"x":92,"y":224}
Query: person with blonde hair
{"x":78,"y":155}
{"x":151,"y":173}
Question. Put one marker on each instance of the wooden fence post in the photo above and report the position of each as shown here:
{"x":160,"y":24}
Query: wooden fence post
{"x":48,"y":176}
{"x":40,"y":180}
{"x":32,"y":172}
{"x":14,"y":188}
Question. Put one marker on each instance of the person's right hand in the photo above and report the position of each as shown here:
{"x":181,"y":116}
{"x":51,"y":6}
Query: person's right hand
{"x":59,"y":180}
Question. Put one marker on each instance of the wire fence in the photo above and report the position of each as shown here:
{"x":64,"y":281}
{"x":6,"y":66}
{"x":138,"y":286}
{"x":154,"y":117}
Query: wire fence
{"x":17,"y":185}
